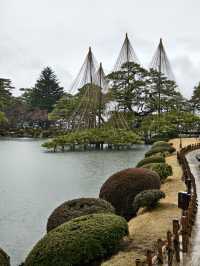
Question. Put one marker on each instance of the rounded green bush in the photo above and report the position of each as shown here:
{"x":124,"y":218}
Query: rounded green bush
{"x":161,"y":144}
{"x":80,"y":241}
{"x":162,"y":169}
{"x":160,"y":149}
{"x":4,"y":258}
{"x":151,"y":159}
{"x":75,"y":208}
{"x":148,"y":199}
{"x":121,"y":188}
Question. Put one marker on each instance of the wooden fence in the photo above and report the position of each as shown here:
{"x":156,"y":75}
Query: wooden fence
{"x":178,"y":239}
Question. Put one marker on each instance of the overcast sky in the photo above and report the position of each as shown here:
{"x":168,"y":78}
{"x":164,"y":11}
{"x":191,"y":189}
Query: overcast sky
{"x":37,"y":33}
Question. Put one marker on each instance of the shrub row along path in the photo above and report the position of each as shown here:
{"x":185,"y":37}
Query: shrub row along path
{"x":147,"y":227}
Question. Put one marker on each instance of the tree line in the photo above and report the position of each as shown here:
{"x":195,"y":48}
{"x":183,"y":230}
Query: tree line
{"x":133,"y":89}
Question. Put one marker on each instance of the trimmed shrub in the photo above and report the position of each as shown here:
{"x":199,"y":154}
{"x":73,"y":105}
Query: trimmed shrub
{"x":161,"y":144}
{"x":152,"y":159}
{"x":4,"y":258}
{"x":160,"y":149}
{"x":159,"y":154}
{"x":75,"y":208}
{"x":148,"y":199}
{"x":162,"y":169}
{"x":121,"y":188}
{"x":80,"y":241}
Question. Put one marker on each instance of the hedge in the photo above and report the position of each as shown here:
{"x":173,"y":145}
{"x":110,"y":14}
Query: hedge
{"x":4,"y":258}
{"x":148,"y":198}
{"x":162,"y":169}
{"x":152,"y":159}
{"x":75,"y":208}
{"x":80,"y":241}
{"x":161,"y":149}
{"x":121,"y":188}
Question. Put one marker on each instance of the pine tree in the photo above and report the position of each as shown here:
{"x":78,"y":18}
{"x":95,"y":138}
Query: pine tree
{"x":127,"y":85}
{"x":5,"y":92}
{"x":166,"y":89}
{"x":195,"y":99}
{"x":46,"y":91}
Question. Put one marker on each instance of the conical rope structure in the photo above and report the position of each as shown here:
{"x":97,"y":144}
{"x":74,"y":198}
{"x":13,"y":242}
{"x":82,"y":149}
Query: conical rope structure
{"x":111,"y":115}
{"x":102,"y":83}
{"x":84,"y":86}
{"x":96,"y":107}
{"x":90,"y":85}
{"x":127,"y":54}
{"x":161,"y":64}
{"x":86,"y":74}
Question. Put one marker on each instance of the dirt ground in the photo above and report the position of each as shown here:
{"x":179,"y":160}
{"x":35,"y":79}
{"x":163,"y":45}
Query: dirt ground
{"x":148,"y":227}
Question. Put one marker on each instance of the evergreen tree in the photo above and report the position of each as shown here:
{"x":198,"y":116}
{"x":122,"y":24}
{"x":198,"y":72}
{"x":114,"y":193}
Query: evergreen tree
{"x":136,"y":90}
{"x":159,"y":84}
{"x":195,"y":99}
{"x":64,"y":107}
{"x":5,"y":92}
{"x":3,"y":118}
{"x":128,"y":85}
{"x":46,"y":91}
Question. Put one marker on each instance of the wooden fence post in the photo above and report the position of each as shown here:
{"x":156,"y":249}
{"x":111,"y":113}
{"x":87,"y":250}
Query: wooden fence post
{"x":160,"y":253}
{"x":176,"y":228}
{"x":169,"y":248}
{"x":190,"y":218}
{"x":137,"y":262}
{"x":184,"y":234}
{"x":149,"y":258}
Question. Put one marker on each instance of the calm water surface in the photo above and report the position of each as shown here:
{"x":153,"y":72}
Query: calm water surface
{"x":34,"y":182}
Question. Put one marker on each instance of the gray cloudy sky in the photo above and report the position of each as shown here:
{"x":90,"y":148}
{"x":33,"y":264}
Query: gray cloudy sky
{"x":37,"y":33}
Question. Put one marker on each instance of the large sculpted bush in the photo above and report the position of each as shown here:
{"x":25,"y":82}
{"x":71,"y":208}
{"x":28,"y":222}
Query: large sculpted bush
{"x":161,"y":150}
{"x":75,"y":208}
{"x":161,"y":144}
{"x":162,"y":169}
{"x":121,"y":188}
{"x":80,"y":241}
{"x":151,"y":159}
{"x":4,"y":258}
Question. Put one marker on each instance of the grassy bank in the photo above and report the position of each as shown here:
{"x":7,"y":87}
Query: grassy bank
{"x":147,"y":227}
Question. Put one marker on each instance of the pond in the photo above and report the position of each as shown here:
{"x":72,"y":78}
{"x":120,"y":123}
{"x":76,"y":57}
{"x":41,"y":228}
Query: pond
{"x":34,"y":182}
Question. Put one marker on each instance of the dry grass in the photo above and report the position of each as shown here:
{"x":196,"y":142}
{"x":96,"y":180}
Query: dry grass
{"x":147,"y":227}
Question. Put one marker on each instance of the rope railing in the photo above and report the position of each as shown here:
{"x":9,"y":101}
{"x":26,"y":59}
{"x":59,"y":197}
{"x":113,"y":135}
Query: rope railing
{"x":177,"y":241}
